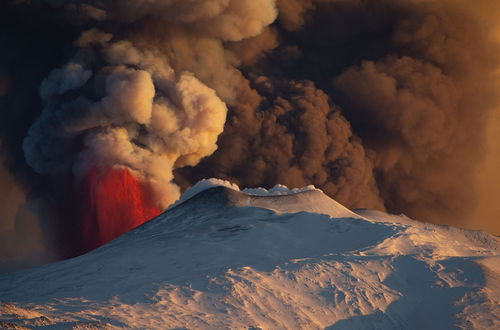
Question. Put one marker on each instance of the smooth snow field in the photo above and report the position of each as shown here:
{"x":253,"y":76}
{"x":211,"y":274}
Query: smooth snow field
{"x":223,"y":258}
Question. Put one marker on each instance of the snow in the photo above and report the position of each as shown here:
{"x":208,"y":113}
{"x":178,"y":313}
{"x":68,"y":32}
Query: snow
{"x":204,"y":185}
{"x":224,"y":258}
{"x":213,"y":182}
{"x":278,"y":190}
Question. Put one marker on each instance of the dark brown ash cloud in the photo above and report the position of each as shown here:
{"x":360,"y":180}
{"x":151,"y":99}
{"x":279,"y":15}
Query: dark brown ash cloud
{"x":287,"y":132}
{"x":381,"y":103}
{"x":416,"y":81}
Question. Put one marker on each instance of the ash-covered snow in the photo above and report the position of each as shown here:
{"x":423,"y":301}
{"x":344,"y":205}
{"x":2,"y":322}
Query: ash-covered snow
{"x":224,"y":258}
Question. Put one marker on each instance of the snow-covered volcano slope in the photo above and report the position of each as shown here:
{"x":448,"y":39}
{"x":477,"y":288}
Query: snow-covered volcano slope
{"x":221,"y":258}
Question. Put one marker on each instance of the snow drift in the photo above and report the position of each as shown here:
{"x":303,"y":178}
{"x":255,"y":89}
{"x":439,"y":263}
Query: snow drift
{"x":225,"y":258}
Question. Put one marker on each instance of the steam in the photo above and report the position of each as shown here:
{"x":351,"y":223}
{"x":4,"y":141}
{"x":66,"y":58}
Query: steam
{"x":380,"y":103}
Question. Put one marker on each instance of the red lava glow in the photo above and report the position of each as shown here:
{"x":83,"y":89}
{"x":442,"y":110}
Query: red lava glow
{"x":115,"y":201}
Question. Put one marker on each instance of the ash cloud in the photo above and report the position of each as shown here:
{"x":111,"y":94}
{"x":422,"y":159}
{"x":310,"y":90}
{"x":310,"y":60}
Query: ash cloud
{"x":415,"y":82}
{"x":122,"y":95}
{"x":424,"y":106}
{"x":381,"y":103}
{"x":286,"y":131}
{"x":138,"y":101}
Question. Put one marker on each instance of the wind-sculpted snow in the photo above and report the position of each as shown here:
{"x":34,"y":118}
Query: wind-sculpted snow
{"x":224,"y":258}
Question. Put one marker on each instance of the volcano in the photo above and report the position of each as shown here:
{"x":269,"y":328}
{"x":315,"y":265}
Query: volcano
{"x":225,"y":258}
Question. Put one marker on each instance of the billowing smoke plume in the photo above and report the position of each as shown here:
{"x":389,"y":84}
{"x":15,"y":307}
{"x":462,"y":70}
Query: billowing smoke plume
{"x":380,"y":103}
{"x":135,"y":112}
{"x":131,"y":105}
{"x":423,"y":106}
{"x":415,"y":80}
{"x":138,"y":96}
{"x":286,"y":131}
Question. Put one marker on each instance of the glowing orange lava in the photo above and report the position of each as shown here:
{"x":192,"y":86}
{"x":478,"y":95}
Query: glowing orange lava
{"x":115,"y":201}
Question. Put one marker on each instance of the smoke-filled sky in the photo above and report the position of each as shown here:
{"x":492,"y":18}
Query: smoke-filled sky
{"x":386,"y":104}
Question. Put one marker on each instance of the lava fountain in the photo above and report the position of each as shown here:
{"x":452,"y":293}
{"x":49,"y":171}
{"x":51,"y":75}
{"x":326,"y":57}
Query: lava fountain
{"x":115,"y":201}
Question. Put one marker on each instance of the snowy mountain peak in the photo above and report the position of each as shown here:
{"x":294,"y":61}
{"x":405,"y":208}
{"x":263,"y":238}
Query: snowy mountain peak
{"x":279,"y":199}
{"x":222,"y":257}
